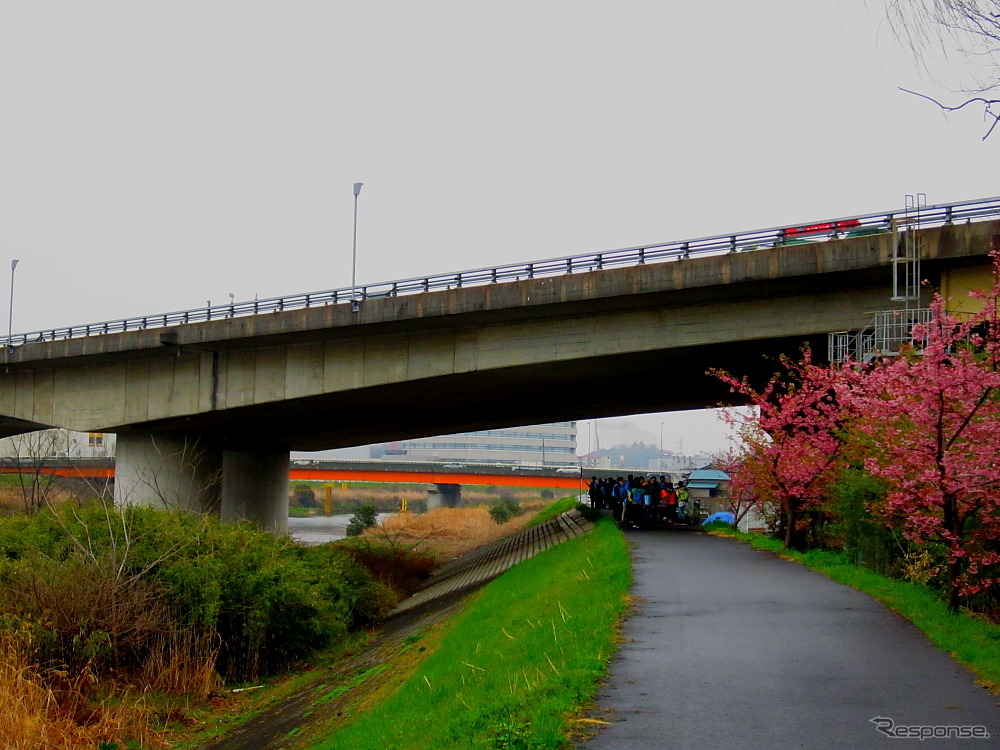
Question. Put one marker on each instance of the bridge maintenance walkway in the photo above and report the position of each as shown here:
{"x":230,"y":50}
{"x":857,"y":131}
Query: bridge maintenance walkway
{"x":736,"y":648}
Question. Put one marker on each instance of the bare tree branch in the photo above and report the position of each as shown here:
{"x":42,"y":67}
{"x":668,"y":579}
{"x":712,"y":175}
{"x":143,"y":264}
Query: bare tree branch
{"x":987,"y":104}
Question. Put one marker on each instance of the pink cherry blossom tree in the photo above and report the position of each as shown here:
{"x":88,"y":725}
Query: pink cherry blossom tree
{"x":742,"y":497}
{"x":931,"y":420}
{"x":793,"y":442}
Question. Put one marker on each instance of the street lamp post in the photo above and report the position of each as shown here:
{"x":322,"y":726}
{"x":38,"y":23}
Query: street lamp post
{"x":661,"y":447}
{"x":355,"y":302}
{"x":10,"y":313}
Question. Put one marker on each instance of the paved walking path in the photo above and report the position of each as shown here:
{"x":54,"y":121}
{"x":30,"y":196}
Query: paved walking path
{"x":735,"y":648}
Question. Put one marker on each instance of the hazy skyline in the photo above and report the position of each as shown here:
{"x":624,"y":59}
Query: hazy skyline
{"x":157,"y":156}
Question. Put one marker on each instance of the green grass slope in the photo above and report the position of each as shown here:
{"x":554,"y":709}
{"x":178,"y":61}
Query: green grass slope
{"x":519,"y":661}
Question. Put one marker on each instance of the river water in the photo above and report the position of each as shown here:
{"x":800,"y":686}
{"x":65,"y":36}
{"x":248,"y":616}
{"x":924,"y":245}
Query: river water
{"x":322,"y":529}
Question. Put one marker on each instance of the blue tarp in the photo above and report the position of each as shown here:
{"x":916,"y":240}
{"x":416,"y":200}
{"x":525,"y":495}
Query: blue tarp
{"x":723,"y":516}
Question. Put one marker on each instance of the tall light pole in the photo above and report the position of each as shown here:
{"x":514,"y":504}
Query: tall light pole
{"x":10,"y":313}
{"x":355,"y":302}
{"x":661,"y":447}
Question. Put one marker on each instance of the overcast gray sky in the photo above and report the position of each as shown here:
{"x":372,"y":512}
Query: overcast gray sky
{"x":157,"y":155}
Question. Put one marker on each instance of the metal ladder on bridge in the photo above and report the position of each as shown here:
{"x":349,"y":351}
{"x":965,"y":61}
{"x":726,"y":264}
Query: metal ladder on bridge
{"x":888,"y":330}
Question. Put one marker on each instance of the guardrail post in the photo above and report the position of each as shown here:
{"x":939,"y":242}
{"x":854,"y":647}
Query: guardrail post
{"x":642,"y":256}
{"x":732,"y":243}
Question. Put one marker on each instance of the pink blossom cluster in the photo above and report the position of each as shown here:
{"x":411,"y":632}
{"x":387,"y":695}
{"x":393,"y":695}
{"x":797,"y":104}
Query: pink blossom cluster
{"x":927,"y":421}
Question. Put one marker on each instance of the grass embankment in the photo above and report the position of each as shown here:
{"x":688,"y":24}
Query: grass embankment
{"x":971,"y":640}
{"x":525,"y":654}
{"x":555,"y":509}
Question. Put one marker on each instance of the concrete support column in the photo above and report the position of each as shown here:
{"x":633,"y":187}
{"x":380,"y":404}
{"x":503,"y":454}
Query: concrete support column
{"x":167,"y":471}
{"x":255,"y":488}
{"x":443,"y":496}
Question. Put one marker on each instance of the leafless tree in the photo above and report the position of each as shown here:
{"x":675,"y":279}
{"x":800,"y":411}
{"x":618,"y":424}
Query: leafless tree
{"x":160,"y":480}
{"x":36,"y":480}
{"x":968,"y":28}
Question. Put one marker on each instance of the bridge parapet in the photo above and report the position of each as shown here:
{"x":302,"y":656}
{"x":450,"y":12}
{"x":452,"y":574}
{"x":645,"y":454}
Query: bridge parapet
{"x":942,"y":215}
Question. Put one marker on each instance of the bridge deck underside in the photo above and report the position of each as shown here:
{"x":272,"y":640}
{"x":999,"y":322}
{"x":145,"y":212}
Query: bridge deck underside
{"x":665,"y":380}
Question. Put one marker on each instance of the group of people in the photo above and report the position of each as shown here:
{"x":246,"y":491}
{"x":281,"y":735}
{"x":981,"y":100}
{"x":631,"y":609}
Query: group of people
{"x":640,"y":502}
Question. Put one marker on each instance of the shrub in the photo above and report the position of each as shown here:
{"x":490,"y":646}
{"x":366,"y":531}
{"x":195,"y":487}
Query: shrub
{"x":138,"y":590}
{"x":505,"y":510}
{"x":859,"y":530}
{"x":365,"y":518}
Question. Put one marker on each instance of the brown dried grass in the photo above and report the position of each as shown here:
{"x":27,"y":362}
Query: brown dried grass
{"x":448,"y":533}
{"x":182,"y":663}
{"x":42,"y":710}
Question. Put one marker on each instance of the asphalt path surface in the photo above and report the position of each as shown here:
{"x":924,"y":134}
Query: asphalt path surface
{"x":735,"y":648}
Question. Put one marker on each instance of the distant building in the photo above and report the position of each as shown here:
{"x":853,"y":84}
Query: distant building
{"x":552,"y":444}
{"x":708,"y":487}
{"x":670,"y":462}
{"x":674,"y":465}
{"x":58,"y":443}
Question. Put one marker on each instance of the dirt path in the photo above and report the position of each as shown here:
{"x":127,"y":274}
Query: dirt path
{"x":312,"y":713}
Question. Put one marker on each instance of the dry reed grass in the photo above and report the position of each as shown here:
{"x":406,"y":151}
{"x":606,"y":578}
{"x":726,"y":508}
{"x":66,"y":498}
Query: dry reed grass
{"x":182,"y":663}
{"x":50,"y":711}
{"x":12,"y":499}
{"x":448,"y":533}
{"x":380,"y":494}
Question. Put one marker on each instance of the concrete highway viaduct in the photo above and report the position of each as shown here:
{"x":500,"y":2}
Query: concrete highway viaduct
{"x":206,"y":413}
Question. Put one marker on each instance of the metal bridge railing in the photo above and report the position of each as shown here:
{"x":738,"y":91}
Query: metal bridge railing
{"x":760,"y":239}
{"x":887,"y":331}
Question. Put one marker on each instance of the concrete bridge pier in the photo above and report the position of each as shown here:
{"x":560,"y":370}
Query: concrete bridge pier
{"x":167,"y":471}
{"x":443,"y":496}
{"x":255,"y":488}
{"x":171,"y":471}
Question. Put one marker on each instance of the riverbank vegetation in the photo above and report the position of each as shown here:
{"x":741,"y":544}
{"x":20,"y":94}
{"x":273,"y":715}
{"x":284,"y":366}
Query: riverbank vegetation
{"x":119,"y":627}
{"x":309,"y":498}
{"x":447,"y":533}
{"x":99,"y":604}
